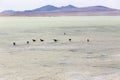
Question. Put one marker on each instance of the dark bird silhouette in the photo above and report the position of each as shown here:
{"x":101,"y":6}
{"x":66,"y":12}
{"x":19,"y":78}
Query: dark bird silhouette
{"x":33,"y":40}
{"x":70,"y":40}
{"x":55,"y":40}
{"x":41,"y":40}
{"x":64,"y":33}
{"x":88,"y":40}
{"x":28,"y":42}
{"x":14,"y":43}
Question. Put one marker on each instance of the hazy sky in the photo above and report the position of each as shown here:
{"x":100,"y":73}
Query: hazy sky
{"x":31,"y":4}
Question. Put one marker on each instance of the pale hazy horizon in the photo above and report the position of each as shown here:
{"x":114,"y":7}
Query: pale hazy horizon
{"x":32,"y":4}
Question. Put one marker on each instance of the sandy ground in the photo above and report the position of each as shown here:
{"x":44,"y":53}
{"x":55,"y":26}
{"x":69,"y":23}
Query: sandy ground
{"x":98,"y":59}
{"x":69,"y":61}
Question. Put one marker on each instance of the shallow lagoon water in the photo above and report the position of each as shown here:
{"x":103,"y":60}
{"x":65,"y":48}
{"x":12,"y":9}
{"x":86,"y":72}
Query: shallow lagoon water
{"x":98,"y":59}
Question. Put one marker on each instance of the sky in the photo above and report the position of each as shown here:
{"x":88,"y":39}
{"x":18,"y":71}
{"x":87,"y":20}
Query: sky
{"x":20,"y":5}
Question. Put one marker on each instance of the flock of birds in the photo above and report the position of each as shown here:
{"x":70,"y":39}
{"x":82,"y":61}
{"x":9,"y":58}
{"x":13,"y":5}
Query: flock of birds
{"x":55,"y":40}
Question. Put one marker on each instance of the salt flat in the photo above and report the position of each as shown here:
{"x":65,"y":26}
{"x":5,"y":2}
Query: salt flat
{"x":98,"y":59}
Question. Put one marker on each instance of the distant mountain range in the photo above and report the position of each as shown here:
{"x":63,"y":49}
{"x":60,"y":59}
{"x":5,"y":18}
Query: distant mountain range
{"x":68,"y":10}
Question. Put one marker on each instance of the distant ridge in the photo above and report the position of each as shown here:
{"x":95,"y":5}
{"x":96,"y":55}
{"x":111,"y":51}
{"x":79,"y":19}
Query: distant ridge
{"x":49,"y":8}
{"x":68,"y":7}
{"x":96,"y":8}
{"x":69,"y":10}
{"x":46,"y":8}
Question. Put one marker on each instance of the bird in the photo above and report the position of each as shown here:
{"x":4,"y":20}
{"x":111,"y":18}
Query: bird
{"x":28,"y":42}
{"x":55,"y":40}
{"x":14,"y":43}
{"x":88,"y":40}
{"x":41,"y":40}
{"x":33,"y":40}
{"x":64,"y":33}
{"x":70,"y":40}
